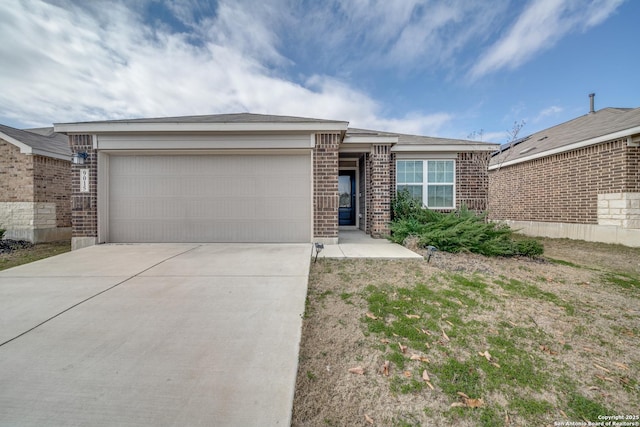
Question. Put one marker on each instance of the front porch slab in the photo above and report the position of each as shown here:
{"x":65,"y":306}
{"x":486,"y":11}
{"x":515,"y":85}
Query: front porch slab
{"x":357,"y":244}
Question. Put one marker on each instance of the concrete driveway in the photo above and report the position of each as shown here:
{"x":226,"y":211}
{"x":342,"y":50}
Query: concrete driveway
{"x":153,"y":335}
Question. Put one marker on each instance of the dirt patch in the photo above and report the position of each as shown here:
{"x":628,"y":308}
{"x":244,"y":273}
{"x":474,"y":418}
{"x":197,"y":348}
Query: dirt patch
{"x":568,"y":322}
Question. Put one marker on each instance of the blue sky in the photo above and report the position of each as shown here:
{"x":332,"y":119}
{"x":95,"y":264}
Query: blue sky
{"x":440,"y":68}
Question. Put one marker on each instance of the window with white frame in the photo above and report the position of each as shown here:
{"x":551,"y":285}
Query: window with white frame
{"x":430,"y":181}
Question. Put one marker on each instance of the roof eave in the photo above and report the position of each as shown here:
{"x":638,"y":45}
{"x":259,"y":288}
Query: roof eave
{"x":444,"y":147}
{"x":97,"y":127}
{"x":51,"y":154}
{"x":370,"y":139}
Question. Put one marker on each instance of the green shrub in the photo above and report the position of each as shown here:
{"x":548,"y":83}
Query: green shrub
{"x":459,"y":231}
{"x":2,"y":231}
{"x":405,"y":206}
{"x":529,"y":247}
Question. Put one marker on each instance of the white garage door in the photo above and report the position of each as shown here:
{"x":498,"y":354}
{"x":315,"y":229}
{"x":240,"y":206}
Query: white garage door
{"x":209,"y":198}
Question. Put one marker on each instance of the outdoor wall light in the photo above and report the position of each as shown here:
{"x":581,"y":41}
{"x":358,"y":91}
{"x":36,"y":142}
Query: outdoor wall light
{"x":79,"y":158}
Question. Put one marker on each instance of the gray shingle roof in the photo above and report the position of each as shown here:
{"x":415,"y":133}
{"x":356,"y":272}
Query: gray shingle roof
{"x":405,"y":139}
{"x":603,"y":122}
{"x":43,"y":140}
{"x":223,"y":118}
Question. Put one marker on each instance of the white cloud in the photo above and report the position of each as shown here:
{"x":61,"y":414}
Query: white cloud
{"x":553,"y":110}
{"x":69,"y":63}
{"x":402,"y":35}
{"x":496,"y":137}
{"x":538,"y":28}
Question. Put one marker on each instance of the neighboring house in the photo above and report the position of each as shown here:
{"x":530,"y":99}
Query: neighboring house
{"x":577,"y":180}
{"x":257,"y":178}
{"x":35,"y":184}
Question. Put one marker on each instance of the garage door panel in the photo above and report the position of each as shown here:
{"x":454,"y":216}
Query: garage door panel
{"x":209,"y":198}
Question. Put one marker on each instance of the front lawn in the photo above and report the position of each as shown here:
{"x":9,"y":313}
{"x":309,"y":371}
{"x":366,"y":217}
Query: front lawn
{"x":468,"y":340}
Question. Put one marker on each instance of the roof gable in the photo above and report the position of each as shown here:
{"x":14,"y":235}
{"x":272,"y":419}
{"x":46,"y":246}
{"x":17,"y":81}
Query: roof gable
{"x":42,"y":141}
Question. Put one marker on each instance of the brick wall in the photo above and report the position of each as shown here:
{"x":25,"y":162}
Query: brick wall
{"x":84,"y":206}
{"x":34,"y":195}
{"x":563,"y":187}
{"x":472,"y":180}
{"x":632,"y":166}
{"x":16,"y":174}
{"x":380,"y":187}
{"x":362,"y":189}
{"x":52,"y":184}
{"x":325,"y":185}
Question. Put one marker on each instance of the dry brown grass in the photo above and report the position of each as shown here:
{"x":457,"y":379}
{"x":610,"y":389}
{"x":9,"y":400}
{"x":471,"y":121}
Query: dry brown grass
{"x":580,"y":327}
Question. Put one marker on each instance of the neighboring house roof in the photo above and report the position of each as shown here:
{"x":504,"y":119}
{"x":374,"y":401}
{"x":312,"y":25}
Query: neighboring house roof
{"x":41,"y":141}
{"x":593,"y":128}
{"x":216,"y":122}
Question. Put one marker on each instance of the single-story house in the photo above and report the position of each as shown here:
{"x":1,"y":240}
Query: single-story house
{"x":577,"y":180}
{"x":257,"y":178}
{"x":35,"y":184}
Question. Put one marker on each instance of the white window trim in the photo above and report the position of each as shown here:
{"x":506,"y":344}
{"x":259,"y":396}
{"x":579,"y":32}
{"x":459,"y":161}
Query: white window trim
{"x":425,"y":184}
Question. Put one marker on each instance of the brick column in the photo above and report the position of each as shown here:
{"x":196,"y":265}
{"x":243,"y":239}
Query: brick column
{"x":84,"y":205}
{"x":325,"y":188}
{"x":472,"y":180}
{"x":379,"y":210}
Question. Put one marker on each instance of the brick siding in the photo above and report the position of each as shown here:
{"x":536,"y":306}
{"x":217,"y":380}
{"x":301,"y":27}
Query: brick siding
{"x":52,"y":184}
{"x":34,"y":191}
{"x":84,"y":206}
{"x":325,"y":185}
{"x":472,"y":180}
{"x":362,"y":189}
{"x":564,"y":187}
{"x":16,"y":174}
{"x":380,"y":190}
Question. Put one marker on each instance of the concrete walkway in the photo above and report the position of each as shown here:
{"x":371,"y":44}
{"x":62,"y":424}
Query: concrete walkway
{"x":357,"y":244}
{"x":153,"y":335}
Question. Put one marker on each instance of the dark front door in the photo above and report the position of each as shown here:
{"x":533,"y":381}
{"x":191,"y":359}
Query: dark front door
{"x":347,"y":191}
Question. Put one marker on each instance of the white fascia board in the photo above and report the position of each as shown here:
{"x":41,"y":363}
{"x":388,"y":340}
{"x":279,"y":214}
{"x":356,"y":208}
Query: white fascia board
{"x":370,"y":140}
{"x":444,"y":147}
{"x":200,"y":142}
{"x":89,"y":128}
{"x":24,"y":148}
{"x":207,"y":152}
{"x":570,"y":147}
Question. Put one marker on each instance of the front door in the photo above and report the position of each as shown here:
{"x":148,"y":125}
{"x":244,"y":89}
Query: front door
{"x":347,"y":191}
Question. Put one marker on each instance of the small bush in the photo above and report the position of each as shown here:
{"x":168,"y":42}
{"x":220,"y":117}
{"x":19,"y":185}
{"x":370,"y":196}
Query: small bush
{"x":2,"y":231}
{"x":460,"y":231}
{"x":529,"y":247}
